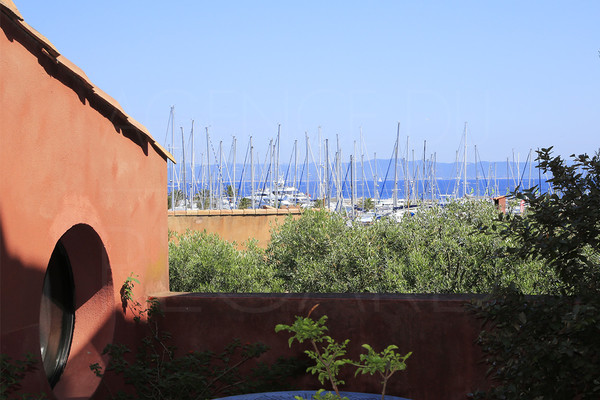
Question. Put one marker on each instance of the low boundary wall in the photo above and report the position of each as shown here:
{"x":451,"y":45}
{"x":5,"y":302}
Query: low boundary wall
{"x":232,"y":225}
{"x":446,"y":362}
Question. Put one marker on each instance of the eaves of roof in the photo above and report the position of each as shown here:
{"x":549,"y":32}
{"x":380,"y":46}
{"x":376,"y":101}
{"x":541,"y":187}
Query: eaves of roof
{"x":9,"y":8}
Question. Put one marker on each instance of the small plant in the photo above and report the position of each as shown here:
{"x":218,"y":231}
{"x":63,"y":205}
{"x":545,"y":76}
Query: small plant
{"x":385,"y":363}
{"x":244,"y":203}
{"x":327,"y":354}
{"x":155,"y":371}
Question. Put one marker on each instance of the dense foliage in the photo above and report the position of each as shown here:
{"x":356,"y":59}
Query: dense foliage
{"x":549,"y":347}
{"x":202,"y":262}
{"x":436,"y":250}
{"x":562,"y":228}
{"x":541,"y":348}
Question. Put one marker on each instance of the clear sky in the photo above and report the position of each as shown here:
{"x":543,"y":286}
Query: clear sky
{"x":522,"y":74}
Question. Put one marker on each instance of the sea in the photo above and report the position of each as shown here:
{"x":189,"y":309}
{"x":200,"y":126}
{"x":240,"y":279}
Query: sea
{"x":438,"y":189}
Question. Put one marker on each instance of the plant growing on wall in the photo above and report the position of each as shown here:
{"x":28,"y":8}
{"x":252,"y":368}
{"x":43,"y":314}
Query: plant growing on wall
{"x":12,"y":373}
{"x":327,"y":355}
{"x":156,"y":371}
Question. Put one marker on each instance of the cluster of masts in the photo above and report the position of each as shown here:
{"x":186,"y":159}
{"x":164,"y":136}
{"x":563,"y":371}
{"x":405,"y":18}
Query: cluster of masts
{"x":328,"y":182}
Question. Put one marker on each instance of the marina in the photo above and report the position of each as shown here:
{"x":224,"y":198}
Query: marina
{"x":360,"y":188}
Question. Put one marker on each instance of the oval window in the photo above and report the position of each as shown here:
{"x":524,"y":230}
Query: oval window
{"x":57,"y":314}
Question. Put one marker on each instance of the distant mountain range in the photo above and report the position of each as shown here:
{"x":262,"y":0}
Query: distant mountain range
{"x":370,"y":170}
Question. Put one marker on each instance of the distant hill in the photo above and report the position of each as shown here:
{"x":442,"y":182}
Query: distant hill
{"x":369,"y":170}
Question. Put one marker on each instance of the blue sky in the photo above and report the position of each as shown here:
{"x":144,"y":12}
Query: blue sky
{"x":521,"y":74}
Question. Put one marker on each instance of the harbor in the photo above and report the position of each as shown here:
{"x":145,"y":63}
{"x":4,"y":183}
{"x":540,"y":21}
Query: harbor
{"x":359,"y":187}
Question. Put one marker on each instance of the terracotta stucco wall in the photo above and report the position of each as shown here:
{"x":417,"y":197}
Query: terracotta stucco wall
{"x":233,"y":225}
{"x":446,"y":362}
{"x":68,"y":160}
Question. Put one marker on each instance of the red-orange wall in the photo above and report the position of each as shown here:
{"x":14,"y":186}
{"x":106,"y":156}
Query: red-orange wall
{"x":446,"y":362}
{"x":232,"y":225}
{"x":68,"y":159}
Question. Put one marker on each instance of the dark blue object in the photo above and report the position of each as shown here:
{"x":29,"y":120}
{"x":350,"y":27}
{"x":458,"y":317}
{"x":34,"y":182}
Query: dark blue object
{"x":307,"y":395}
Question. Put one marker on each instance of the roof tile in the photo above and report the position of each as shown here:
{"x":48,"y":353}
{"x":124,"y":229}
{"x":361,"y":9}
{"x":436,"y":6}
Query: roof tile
{"x":11,"y":8}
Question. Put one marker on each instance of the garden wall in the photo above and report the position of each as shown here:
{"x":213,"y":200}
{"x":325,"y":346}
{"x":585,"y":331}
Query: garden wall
{"x":232,"y":225}
{"x":445,"y":363}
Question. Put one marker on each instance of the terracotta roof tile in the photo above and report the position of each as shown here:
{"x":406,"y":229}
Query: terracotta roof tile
{"x":40,"y":38}
{"x":108,"y":99}
{"x":143,"y":129}
{"x":75,"y":69}
{"x":11,"y":8}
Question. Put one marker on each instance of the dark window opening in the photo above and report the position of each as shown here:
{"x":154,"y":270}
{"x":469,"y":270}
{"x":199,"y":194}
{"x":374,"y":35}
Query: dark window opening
{"x":57,"y":314}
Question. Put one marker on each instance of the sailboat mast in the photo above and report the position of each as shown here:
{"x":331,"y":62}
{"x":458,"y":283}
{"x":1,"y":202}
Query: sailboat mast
{"x":210,"y":188}
{"x":173,"y":197}
{"x":423,"y":176}
{"x":233,"y":183}
{"x":496,"y":187}
{"x":307,"y":166}
{"x":320,"y":166}
{"x":353,"y":179}
{"x":415,"y":178}
{"x":252,"y":173}
{"x":276,"y":175}
{"x":296,"y":170}
{"x":375,"y":183}
{"x":352,"y":200}
{"x":530,"y":164}
{"x":465,"y":164}
{"x":362,"y":168}
{"x":395,"y":191}
{"x":363,"y":184}
{"x":220,"y":177}
{"x":338,"y":181}
{"x":457,"y":176}
{"x":193,"y":191}
{"x":406,"y":182}
{"x":202,"y":197}
{"x":434,"y":177}
{"x":327,"y":186}
{"x":183,"y":166}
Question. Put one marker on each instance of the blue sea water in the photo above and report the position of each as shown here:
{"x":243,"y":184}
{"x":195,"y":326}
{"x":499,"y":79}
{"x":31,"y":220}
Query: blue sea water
{"x":442,"y":188}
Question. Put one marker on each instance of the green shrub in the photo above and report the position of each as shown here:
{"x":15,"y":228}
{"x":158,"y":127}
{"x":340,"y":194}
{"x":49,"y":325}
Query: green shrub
{"x":549,"y":347}
{"x":440,"y":250}
{"x":322,"y":252}
{"x":540,"y":348}
{"x":434,"y":251}
{"x":202,"y":262}
{"x":437,"y":250}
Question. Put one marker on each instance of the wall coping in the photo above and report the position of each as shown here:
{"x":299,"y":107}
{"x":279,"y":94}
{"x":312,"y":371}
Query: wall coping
{"x":462,"y":297}
{"x":212,"y":213}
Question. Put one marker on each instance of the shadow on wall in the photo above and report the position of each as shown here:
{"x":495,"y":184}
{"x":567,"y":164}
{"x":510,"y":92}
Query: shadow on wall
{"x":62,"y":313}
{"x":438,"y":330}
